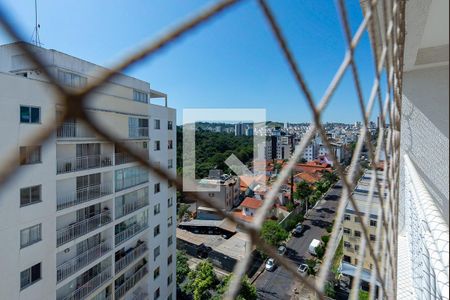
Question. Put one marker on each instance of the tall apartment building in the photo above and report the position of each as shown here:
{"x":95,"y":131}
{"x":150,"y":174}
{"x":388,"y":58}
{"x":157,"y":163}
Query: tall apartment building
{"x":352,"y":230}
{"x":82,"y":219}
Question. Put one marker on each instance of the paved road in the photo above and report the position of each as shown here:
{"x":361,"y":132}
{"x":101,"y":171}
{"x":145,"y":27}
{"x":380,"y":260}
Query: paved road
{"x":279,"y":283}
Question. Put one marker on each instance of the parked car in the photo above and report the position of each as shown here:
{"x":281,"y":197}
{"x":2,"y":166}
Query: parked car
{"x":297,"y":230}
{"x":314,"y":244}
{"x":282,"y":250}
{"x":270,"y":264}
{"x":303,"y":269}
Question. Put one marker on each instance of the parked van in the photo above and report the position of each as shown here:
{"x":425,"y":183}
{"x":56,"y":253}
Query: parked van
{"x":312,"y":247}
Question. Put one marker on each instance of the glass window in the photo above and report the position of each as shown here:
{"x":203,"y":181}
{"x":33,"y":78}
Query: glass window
{"x":129,"y":177}
{"x":347,"y":231}
{"x":169,"y":144}
{"x":372,"y":238}
{"x":170,"y":164}
{"x":30,"y":195}
{"x":170,"y":202}
{"x":169,"y":241}
{"x":30,"y":276}
{"x":169,"y":125}
{"x":30,"y":235}
{"x":169,"y":221}
{"x":156,"y":294}
{"x":137,"y":127}
{"x":373,"y":223}
{"x":157,"y":188}
{"x":140,"y":96}
{"x":156,"y":253}
{"x":156,"y":209}
{"x":157,"y":124}
{"x":169,"y":279}
{"x":71,"y":79}
{"x":156,"y":273}
{"x":347,"y":217}
{"x":157,"y":146}
{"x":30,"y":155}
{"x":29,"y":114}
{"x":169,"y":259}
{"x":156,"y":231}
{"x":357,"y":233}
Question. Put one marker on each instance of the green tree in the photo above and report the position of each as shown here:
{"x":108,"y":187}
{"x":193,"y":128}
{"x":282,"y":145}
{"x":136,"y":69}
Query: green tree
{"x":329,"y":290}
{"x":304,"y":190}
{"x":201,"y":280}
{"x":182,"y":267}
{"x":247,"y":291}
{"x":182,"y":210}
{"x":272,"y":233}
{"x":363,"y":295}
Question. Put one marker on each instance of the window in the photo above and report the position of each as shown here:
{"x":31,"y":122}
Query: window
{"x":169,"y":125}
{"x":373,"y":223}
{"x":372,"y":238}
{"x":170,"y":297}
{"x":169,"y":279}
{"x":156,"y":273}
{"x":347,"y":259}
{"x":30,"y":276}
{"x":30,"y":195}
{"x":71,"y":79}
{"x":169,"y":260}
{"x":347,"y":245}
{"x":156,"y":231}
{"x":157,"y":124}
{"x":30,"y":235}
{"x":356,"y":247}
{"x":157,"y":146}
{"x":157,"y":188}
{"x":357,"y":233}
{"x":169,"y":221}
{"x":30,"y":155}
{"x":30,"y":114}
{"x":137,"y":127}
{"x":357,"y":219}
{"x":156,"y":294}
{"x":170,"y":202}
{"x":169,"y":241}
{"x":129,"y":177}
{"x":347,"y":231}
{"x":140,"y":96}
{"x":169,"y":184}
{"x":347,"y":217}
{"x":170,"y":164}
{"x":169,"y":144}
{"x":156,"y":209}
{"x":156,"y":253}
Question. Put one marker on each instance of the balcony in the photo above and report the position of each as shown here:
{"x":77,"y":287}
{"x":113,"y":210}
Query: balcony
{"x":74,"y":130}
{"x":89,"y":286}
{"x":138,"y":132}
{"x":130,"y":232}
{"x":135,"y":204}
{"x":75,"y":230}
{"x":124,"y":158}
{"x":75,"y":264}
{"x":130,"y":282}
{"x":130,"y":257}
{"x":83,"y":195}
{"x":83,"y":163}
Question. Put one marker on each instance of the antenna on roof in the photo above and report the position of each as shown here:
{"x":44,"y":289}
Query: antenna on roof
{"x":35,"y":37}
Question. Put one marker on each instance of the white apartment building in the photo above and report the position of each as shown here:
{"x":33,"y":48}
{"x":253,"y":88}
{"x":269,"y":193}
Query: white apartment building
{"x":81,"y":220}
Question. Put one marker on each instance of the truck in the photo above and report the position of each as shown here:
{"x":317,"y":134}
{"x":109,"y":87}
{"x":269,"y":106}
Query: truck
{"x":312,"y":247}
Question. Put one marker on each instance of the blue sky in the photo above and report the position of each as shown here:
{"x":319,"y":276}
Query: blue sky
{"x":232,"y":62}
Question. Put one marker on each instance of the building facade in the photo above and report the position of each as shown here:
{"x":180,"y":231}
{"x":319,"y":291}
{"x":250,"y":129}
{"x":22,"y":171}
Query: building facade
{"x":82,"y":219}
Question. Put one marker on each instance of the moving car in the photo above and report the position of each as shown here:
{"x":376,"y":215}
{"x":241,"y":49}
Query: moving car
{"x":297,"y":230}
{"x":270,"y":264}
{"x":303,"y":269}
{"x":312,"y":247}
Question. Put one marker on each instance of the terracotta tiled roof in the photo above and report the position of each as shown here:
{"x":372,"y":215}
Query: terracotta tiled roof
{"x":251,"y":203}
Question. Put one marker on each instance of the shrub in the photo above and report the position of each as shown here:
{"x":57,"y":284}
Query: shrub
{"x":311,"y":265}
{"x":325,"y":239}
{"x":329,"y":228}
{"x":320,"y":252}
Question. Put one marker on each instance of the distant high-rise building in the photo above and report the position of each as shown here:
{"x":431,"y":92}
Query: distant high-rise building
{"x":239,"y":129}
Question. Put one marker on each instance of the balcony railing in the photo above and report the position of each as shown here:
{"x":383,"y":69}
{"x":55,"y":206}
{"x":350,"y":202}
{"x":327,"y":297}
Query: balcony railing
{"x":124,"y":158}
{"x":83,"y":195}
{"x":130,"y":232}
{"x":130,"y":257}
{"x":73,"y":130}
{"x":73,"y":265}
{"x":131,"y":181}
{"x":90,"y":286}
{"x":133,"y":206}
{"x":138,"y":132}
{"x":130,"y":282}
{"x":78,"y":229}
{"x":83,"y":163}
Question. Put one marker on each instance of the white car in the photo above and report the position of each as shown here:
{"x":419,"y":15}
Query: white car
{"x":282,"y":250}
{"x":303,"y":269}
{"x":270,"y":264}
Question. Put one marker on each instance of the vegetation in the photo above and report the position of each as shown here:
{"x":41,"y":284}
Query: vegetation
{"x":325,"y":239}
{"x":337,"y":257}
{"x":329,"y":290}
{"x":272,"y":233}
{"x":182,"y":210}
{"x":247,"y":291}
{"x":363,"y":295}
{"x":213,"y":148}
{"x":290,"y":223}
{"x":311,"y":266}
{"x":201,"y":280}
{"x":182,"y":267}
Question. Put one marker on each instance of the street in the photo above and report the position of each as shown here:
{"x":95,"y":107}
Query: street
{"x":279,"y":283}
